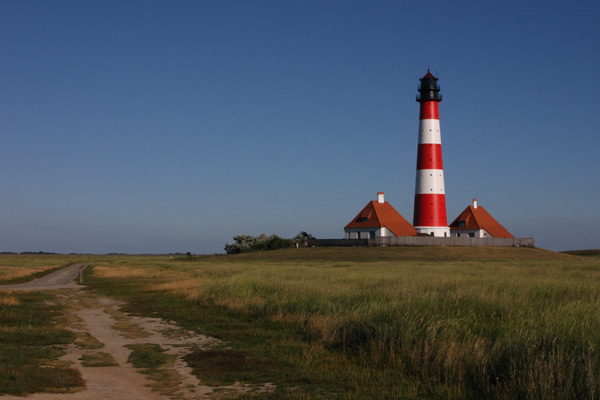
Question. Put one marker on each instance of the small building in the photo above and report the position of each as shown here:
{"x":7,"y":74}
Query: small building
{"x":475,"y":221}
{"x":378,"y":219}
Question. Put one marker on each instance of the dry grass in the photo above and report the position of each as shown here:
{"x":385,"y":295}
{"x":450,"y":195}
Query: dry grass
{"x":413,"y":322}
{"x":98,"y":360}
{"x":130,"y":330}
{"x":466,"y":322}
{"x":190,"y":289}
{"x":124,"y":272}
{"x":86,"y":341}
{"x":22,"y":266}
{"x":11,"y":273}
{"x":8,"y":300}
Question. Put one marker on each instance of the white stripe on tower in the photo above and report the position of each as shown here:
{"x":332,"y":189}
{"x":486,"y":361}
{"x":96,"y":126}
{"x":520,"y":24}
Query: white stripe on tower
{"x":429,"y":131}
{"x":430,"y":181}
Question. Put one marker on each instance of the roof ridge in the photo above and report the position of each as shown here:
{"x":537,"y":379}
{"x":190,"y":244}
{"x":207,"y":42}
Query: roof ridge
{"x":474,"y":214}
{"x":374,"y":204}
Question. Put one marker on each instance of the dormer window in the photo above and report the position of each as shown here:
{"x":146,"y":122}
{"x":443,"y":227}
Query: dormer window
{"x":462,"y":224}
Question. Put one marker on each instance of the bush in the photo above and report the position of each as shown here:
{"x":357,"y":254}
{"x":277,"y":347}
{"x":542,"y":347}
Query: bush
{"x":245,"y":243}
{"x":273,"y":243}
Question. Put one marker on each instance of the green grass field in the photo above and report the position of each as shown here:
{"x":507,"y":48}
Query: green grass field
{"x":31,"y":340}
{"x":379,"y":323}
{"x":33,"y":330}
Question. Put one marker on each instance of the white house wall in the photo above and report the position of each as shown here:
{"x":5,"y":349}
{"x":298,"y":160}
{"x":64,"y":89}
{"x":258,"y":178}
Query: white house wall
{"x":383,"y":232}
{"x":478,"y":233}
{"x":363,"y":233}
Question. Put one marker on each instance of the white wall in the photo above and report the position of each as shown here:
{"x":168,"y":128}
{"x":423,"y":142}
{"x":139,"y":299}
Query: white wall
{"x":383,"y":232}
{"x":478,"y":233}
{"x":439,"y":231}
{"x":363,"y":233}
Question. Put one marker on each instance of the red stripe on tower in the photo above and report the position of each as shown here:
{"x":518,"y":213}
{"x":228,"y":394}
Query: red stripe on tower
{"x":430,"y":193}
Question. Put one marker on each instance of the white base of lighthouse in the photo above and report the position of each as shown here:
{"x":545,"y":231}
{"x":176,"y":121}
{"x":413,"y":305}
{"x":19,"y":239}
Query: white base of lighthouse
{"x":439,"y":231}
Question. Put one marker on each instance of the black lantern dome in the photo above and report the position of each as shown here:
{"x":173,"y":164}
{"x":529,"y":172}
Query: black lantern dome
{"x":429,"y":90}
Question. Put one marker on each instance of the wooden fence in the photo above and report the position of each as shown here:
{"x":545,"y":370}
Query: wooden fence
{"x":426,"y":241}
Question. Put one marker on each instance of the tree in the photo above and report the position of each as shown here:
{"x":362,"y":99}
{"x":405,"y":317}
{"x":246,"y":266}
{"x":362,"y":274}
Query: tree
{"x":303,"y":237}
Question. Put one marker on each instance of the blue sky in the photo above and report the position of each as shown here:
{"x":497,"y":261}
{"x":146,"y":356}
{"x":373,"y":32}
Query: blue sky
{"x":161,"y":126}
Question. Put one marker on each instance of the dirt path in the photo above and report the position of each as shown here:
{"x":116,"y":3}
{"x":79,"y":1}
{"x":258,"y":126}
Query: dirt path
{"x":104,"y":332}
{"x":60,"y":279}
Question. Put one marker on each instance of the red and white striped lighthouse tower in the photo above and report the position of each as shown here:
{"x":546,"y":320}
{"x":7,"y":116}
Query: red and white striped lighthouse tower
{"x":430,"y":193}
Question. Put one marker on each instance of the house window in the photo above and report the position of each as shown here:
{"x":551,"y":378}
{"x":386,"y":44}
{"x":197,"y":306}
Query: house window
{"x":372,"y":235}
{"x":472,"y":234}
{"x":362,"y":219}
{"x":462,"y":224}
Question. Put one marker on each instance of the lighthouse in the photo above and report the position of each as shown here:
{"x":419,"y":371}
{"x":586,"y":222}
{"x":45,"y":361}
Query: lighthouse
{"x":430,"y":194}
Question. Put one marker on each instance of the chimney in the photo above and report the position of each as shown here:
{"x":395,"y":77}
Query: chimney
{"x":380,"y":197}
{"x":474,"y":203}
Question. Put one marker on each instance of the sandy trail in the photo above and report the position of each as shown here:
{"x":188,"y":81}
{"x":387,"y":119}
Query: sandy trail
{"x":60,"y":279}
{"x":101,"y":318}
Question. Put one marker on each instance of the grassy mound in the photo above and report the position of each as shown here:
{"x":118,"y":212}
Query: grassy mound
{"x":396,"y":253}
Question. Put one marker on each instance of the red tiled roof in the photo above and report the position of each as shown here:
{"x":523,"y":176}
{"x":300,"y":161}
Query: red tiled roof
{"x":378,"y":215}
{"x":479,"y":218}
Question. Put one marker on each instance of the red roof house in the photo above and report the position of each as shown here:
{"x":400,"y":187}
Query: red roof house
{"x":378,"y":219}
{"x":475,"y":221}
